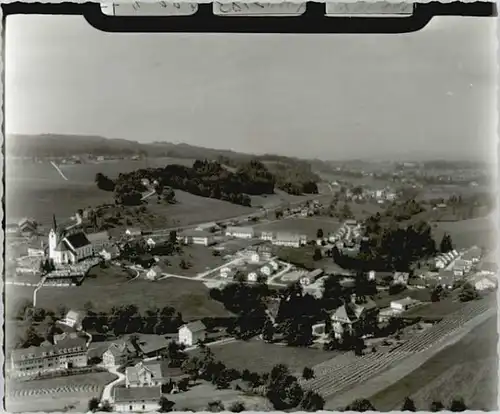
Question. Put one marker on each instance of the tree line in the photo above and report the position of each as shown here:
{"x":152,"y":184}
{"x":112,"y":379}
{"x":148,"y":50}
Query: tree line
{"x":210,"y":179}
{"x":454,"y":405}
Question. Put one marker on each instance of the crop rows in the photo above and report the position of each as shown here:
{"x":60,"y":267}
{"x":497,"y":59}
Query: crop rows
{"x":29,"y":392}
{"x":341,"y":372}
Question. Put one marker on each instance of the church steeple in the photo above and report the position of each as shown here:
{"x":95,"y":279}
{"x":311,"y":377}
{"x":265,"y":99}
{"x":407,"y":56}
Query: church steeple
{"x":54,"y":223}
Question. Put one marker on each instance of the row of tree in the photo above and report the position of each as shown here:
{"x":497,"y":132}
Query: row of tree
{"x":455,"y":405}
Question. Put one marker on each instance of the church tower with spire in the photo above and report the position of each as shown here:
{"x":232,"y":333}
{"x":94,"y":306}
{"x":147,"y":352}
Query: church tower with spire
{"x":53,"y":238}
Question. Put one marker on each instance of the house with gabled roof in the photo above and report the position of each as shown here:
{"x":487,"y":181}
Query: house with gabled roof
{"x":157,"y":271}
{"x":137,"y":399}
{"x":117,"y":354}
{"x":148,"y":374}
{"x":191,"y":333}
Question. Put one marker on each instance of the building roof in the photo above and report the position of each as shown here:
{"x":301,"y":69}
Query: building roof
{"x":195,"y":233}
{"x":122,"y":394}
{"x":210,"y":225}
{"x":345,"y":312}
{"x":196,"y":326}
{"x":119,"y":349}
{"x":61,"y":347}
{"x":97,"y":237}
{"x":159,"y":267}
{"x":406,"y":301}
{"x":73,"y":314}
{"x":151,"y":343}
{"x":240,"y":229}
{"x":77,"y":240}
{"x":134,"y":230}
{"x":63,"y":246}
{"x":158,"y":370}
{"x":284,"y":236}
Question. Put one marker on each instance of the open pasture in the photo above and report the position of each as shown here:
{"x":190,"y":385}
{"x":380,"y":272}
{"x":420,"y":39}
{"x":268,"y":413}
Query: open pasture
{"x":110,"y":287}
{"x":307,"y":226}
{"x":466,"y":233}
{"x":259,"y":356}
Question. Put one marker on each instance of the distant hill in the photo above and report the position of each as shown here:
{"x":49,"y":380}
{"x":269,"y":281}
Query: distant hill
{"x":293,"y":175}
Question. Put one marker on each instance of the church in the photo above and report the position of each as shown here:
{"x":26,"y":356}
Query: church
{"x":68,"y":246}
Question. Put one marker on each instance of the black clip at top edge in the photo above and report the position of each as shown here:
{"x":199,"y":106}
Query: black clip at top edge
{"x":312,"y":21}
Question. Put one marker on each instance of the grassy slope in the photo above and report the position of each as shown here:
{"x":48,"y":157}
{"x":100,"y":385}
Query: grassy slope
{"x":467,"y":369}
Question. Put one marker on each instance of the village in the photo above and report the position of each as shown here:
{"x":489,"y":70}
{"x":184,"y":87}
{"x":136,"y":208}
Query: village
{"x":145,"y":367}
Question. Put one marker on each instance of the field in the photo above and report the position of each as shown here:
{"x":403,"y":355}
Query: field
{"x":467,"y":369}
{"x":307,"y":226}
{"x":465,"y":233}
{"x":37,"y":190}
{"x":199,"y":258}
{"x":110,"y":287}
{"x":67,"y":391}
{"x":256,"y":355}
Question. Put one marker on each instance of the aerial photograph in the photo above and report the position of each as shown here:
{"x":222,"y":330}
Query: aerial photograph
{"x":250,"y":222}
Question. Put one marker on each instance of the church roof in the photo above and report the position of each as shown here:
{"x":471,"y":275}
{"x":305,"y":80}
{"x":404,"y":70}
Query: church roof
{"x":77,"y":240}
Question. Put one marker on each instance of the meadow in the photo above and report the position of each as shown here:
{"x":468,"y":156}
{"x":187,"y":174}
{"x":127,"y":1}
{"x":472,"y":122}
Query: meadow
{"x":259,"y":356}
{"x":466,"y":233}
{"x":38,"y":190}
{"x":110,"y":287}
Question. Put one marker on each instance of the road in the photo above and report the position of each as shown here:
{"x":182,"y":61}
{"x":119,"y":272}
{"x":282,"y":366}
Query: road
{"x":107,"y":393}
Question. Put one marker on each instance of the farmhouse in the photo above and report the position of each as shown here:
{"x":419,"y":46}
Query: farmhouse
{"x":311,"y":277}
{"x":27,"y":227}
{"x":259,"y":253}
{"x":137,"y":399}
{"x":70,"y":353}
{"x":196,"y":237}
{"x":156,"y":271}
{"x":401,"y":278}
{"x":117,"y":354}
{"x":289,"y":240}
{"x":191,"y":333}
{"x":146,"y":375}
{"x":350,"y":316}
{"x":240,"y":232}
{"x":150,"y":243}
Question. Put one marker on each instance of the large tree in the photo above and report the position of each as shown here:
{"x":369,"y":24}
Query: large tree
{"x":446,"y":244}
{"x":360,"y":405}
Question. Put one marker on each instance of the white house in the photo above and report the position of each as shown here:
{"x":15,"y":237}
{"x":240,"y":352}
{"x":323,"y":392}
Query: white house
{"x":267,"y":235}
{"x":404,"y":304}
{"x":110,"y":252}
{"x":240,"y":232}
{"x":289,"y":240}
{"x":253,"y":276}
{"x":156,"y":271}
{"x":73,"y":319}
{"x":191,"y":333}
{"x":116,"y":355}
{"x":371,"y":275}
{"x":266,"y":270}
{"x":196,"y":237}
{"x":255,"y":257}
{"x":137,"y":399}
{"x":145,"y":374}
{"x":151,"y":243}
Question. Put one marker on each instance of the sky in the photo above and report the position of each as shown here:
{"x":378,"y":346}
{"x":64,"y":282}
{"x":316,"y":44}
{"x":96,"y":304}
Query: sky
{"x":429,"y":94}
